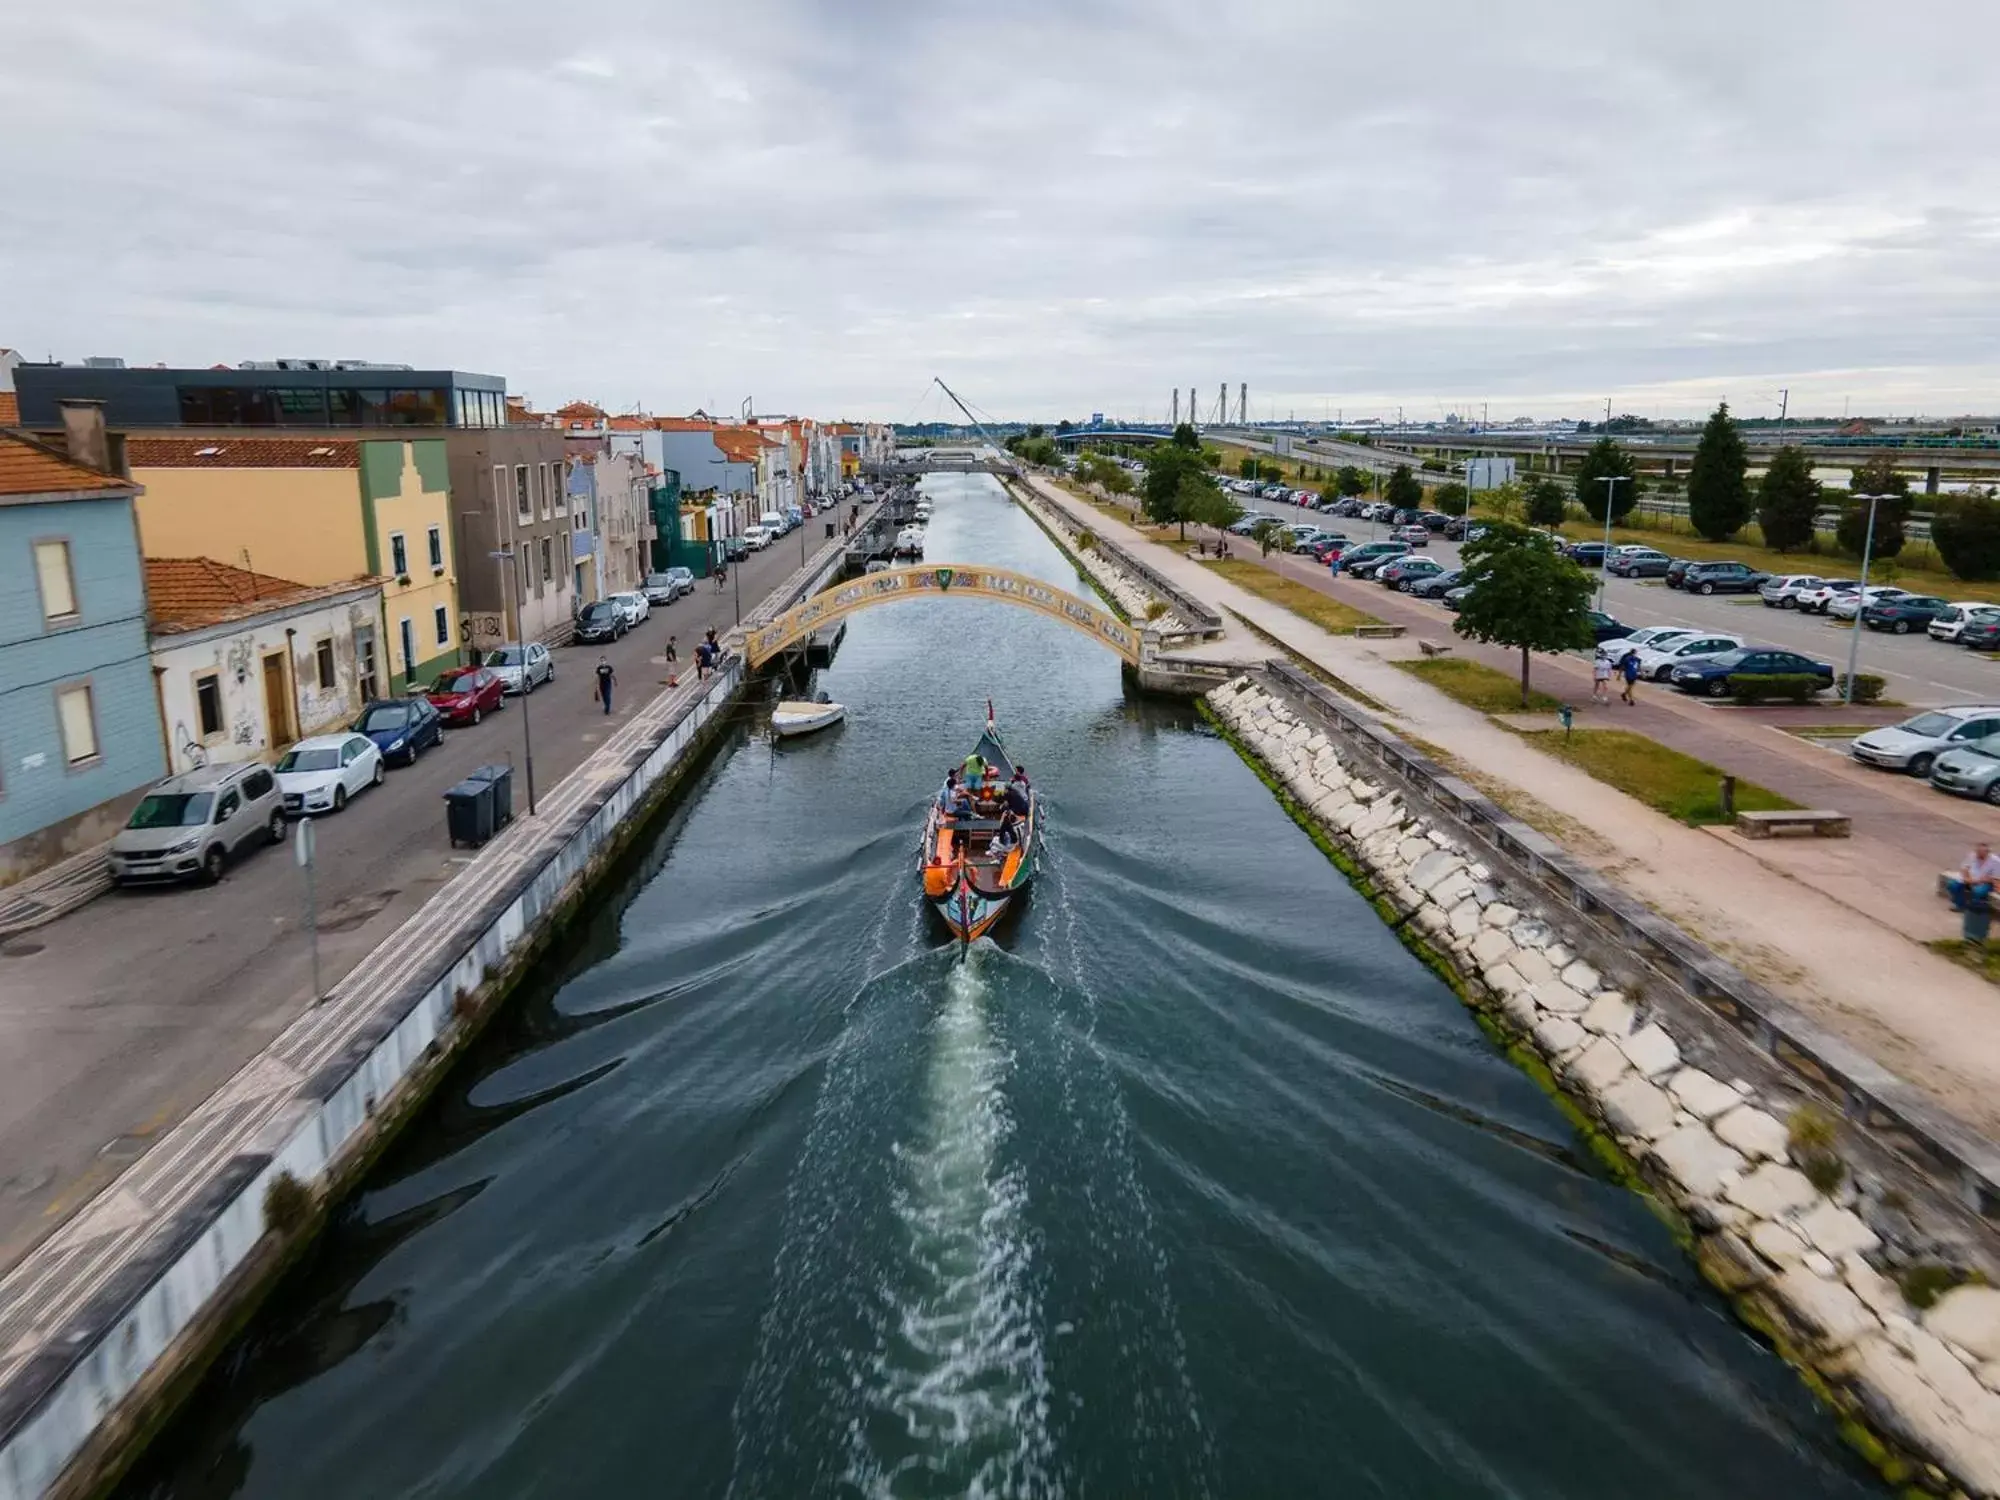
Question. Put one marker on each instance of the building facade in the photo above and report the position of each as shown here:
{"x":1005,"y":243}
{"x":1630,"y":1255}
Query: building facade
{"x":79,"y":725}
{"x":510,"y":494}
{"x":244,"y":664}
{"x":624,"y":520}
{"x":320,"y":511}
{"x":321,"y":395}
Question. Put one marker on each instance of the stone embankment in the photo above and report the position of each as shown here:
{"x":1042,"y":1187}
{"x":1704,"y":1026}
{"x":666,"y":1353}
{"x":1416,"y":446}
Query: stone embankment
{"x":1776,"y":1218}
{"x":1129,"y":593}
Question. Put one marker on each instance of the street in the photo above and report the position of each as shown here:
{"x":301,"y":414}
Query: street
{"x":119,"y":1017}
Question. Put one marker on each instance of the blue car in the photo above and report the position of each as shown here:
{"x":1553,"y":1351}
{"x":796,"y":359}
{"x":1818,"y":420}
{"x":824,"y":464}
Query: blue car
{"x":1710,"y":675}
{"x":402,"y":728}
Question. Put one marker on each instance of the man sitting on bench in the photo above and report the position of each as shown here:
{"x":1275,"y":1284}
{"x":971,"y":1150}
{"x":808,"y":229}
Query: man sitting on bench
{"x":1975,"y":879}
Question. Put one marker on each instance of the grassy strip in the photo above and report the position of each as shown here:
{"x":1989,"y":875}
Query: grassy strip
{"x":1313,"y":669}
{"x":1477,"y":686}
{"x":1307,"y":603}
{"x":1981,"y":960}
{"x":1685,"y":789}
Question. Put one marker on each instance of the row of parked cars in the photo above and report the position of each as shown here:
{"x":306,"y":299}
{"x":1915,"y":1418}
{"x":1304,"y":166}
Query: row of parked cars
{"x":609,"y":618}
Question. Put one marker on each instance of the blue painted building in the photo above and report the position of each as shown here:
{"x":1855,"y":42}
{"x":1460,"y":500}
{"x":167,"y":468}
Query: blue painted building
{"x":79,"y":717}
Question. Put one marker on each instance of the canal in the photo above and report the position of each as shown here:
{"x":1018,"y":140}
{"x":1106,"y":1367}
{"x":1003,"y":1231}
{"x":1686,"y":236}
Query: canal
{"x":1197,"y":1183}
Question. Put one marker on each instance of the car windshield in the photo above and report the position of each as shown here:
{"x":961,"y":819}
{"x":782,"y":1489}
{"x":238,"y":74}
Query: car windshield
{"x":388,"y":716}
{"x":453,"y":682}
{"x":657,"y":580}
{"x":596,"y":611}
{"x":1988,"y":747}
{"x":504,"y":656}
{"x":309,"y":760}
{"x":171,"y":810}
{"x":1930,"y":726}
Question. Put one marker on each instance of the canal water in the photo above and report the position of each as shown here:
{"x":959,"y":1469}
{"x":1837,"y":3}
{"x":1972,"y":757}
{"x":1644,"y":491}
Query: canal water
{"x":1194,"y":1184}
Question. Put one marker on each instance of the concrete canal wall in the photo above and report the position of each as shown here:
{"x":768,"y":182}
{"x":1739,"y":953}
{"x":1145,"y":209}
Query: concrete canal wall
{"x":1815,"y":1189}
{"x":109,"y":1323}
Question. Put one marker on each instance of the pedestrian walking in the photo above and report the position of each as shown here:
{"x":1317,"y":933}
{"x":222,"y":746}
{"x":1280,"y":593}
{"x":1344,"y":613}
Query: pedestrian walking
{"x":704,"y":661}
{"x":1628,"y":668}
{"x":1600,"y":678}
{"x":721,"y":574}
{"x":606,"y":680}
{"x":673,"y":651}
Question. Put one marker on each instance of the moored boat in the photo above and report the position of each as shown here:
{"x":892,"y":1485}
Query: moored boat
{"x":910,"y":542}
{"x":979,"y":848}
{"x":796,"y":717}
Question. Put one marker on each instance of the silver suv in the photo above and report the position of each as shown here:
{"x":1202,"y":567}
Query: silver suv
{"x":190,"y":826}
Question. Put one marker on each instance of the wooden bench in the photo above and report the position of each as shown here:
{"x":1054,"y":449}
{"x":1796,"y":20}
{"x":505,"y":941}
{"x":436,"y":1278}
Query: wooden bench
{"x":1378,"y":632}
{"x":1432,"y":648}
{"x":1818,"y":821}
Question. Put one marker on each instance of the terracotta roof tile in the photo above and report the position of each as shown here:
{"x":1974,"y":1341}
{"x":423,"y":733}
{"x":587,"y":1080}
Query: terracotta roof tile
{"x":186,"y":593}
{"x":10,"y":409}
{"x":31,"y":468}
{"x":231,"y":452}
{"x":576,"y":409}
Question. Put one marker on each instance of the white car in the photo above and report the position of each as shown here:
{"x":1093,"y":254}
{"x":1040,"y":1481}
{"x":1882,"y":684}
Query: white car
{"x":633,"y":606}
{"x":1655,"y":636}
{"x":1783,"y":591}
{"x":519,"y":668}
{"x":1815,"y":601}
{"x":1658,"y":664}
{"x":318,"y":775}
{"x":756,"y":537}
{"x":1951,"y":624}
{"x":1846,"y":606}
{"x":1916,"y":743}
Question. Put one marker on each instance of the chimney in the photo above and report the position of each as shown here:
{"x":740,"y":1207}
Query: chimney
{"x":84,"y":437}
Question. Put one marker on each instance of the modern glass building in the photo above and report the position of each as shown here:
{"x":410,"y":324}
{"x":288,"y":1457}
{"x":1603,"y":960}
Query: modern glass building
{"x":297,"y":393}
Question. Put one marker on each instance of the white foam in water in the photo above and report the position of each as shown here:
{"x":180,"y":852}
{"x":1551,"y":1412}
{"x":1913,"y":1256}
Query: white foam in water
{"x":961,"y":1372}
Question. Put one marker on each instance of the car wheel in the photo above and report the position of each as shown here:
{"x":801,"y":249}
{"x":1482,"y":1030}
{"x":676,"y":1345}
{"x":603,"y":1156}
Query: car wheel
{"x":1718,"y":688}
{"x":212,"y":864}
{"x":1902,"y":627}
{"x":1663,"y":674}
{"x":1707,"y":588}
{"x":1920,"y":765}
{"x":375,"y":778}
{"x":1992,"y":792}
{"x":527,"y":683}
{"x":1788,"y":603}
{"x":274,"y":831}
{"x":475,"y":713}
{"x":340,"y":799}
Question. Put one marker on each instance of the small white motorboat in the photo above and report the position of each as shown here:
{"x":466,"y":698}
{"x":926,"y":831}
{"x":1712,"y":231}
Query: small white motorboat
{"x":796,"y":718}
{"x":910,"y":542}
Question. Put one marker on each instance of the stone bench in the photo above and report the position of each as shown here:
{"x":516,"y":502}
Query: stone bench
{"x":1432,"y":648}
{"x":1820,"y":822}
{"x":1944,"y":880}
{"x":1378,"y":632}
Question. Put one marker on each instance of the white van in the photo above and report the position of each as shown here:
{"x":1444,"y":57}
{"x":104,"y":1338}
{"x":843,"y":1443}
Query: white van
{"x":774,"y":523}
{"x":757,"y":537}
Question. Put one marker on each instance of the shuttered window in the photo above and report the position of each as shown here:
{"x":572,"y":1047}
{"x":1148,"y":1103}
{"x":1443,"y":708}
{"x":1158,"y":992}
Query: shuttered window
{"x":79,"y":724}
{"x":58,"y":588}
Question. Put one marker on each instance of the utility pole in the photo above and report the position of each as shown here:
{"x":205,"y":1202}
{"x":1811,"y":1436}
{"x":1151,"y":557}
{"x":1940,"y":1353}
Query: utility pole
{"x":506,"y":559}
{"x":1243,"y":402}
{"x":1784,"y":405}
{"x":1177,"y":408}
{"x":1222,"y":405}
{"x":1610,"y":483}
{"x":1607,"y":411}
{"x":1861,"y":600}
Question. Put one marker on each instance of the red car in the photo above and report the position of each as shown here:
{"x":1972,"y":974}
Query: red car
{"x":464,"y":695}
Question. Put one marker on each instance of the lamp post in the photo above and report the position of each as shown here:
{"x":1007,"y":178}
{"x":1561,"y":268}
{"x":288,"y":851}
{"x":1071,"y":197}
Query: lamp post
{"x":1610,"y":483}
{"x":736,"y":572}
{"x":1861,"y":599}
{"x":505,"y":557}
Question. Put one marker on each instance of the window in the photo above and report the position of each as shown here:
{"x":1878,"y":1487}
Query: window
{"x":208,"y":705}
{"x":409,"y":648}
{"x":541,"y":489}
{"x":257,"y":784}
{"x":443,"y":622}
{"x":437,"y":550}
{"x":523,"y":506}
{"x":548,"y":561}
{"x":323,"y":664}
{"x":559,"y":483}
{"x":399,"y":555}
{"x":364,"y":663}
{"x":52,"y":570}
{"x":77,"y":717}
{"x":300,"y":406}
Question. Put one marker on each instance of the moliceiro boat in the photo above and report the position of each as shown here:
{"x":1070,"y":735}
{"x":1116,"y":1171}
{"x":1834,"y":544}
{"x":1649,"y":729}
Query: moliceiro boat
{"x":980,"y":840}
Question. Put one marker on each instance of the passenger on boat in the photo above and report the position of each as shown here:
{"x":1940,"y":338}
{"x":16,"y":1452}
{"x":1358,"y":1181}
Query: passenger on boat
{"x":1007,"y":835}
{"x":1017,"y":796}
{"x":1021,"y":775}
{"x":960,"y":805}
{"x":950,"y":786}
{"x":974,"y":775}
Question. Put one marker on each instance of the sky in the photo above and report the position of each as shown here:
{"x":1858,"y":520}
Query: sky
{"x":1059,"y":206}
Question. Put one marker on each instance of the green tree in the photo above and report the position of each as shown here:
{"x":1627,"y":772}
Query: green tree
{"x":1605,"y":460}
{"x":1966,"y":531}
{"x":1523,"y":594}
{"x":1266,"y":533}
{"x":1548,"y":502}
{"x":1192,"y":497}
{"x":1185,"y":437}
{"x":1212,"y":507}
{"x":1246,"y":468}
{"x":1504,"y":502}
{"x":1166,"y":466}
{"x":1787,"y":500}
{"x":1403,"y":491}
{"x":1718,"y":493}
{"x":1115,"y":478}
{"x":1065,"y":425}
{"x":1212,"y":458}
{"x":1879,"y":476}
{"x":1350,"y":481}
{"x":1452,"y":498}
{"x":1035,"y":431}
{"x":1269,"y":472}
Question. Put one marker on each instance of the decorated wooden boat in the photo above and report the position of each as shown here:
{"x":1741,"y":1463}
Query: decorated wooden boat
{"x":979,"y":848}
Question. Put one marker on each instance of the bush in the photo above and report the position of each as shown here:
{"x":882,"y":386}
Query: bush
{"x":1774,"y":687}
{"x":1867,"y":686}
{"x":1451,"y":498}
{"x":1967,"y":534}
{"x":1812,"y":1134}
{"x":288,"y":1204}
{"x":1548,"y":503}
{"x":1434,"y":466}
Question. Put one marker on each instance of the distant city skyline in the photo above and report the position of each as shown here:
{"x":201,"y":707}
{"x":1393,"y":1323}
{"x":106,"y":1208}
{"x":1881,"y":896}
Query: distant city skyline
{"x":1061,"y":208}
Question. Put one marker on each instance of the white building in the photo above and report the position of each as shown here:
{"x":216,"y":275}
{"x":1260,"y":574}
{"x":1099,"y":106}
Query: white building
{"x":623,"y":523}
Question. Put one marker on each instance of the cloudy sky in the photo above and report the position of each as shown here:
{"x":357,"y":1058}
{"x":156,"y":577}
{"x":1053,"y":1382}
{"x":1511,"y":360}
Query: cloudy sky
{"x":1059,"y":205}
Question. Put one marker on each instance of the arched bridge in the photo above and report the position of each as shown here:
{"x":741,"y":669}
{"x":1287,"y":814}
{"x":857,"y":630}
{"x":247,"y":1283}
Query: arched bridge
{"x":936,"y":580}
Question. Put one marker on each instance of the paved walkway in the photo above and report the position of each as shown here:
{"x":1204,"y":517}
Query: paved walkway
{"x":1829,"y":924}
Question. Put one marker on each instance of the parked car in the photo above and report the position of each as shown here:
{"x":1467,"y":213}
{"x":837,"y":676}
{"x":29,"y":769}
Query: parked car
{"x":1916,"y":742}
{"x":1604,"y":627}
{"x":1436,"y":585}
{"x":1970,"y":770}
{"x":1721,"y":578}
{"x":1980,"y":635}
{"x":735,"y":549}
{"x":665,"y":588}
{"x":1401,"y":572}
{"x":1639,"y":562}
{"x":1454,"y":599}
{"x":1815,"y":601}
{"x":190,"y":826}
{"x":1782,"y":590}
{"x":1677,"y":572}
{"x":402,"y":728}
{"x":1362,"y":561}
{"x":600,"y":620}
{"x":465,"y":695}
{"x":1658,"y":662}
{"x":1951,"y":624}
{"x":1433,"y":520}
{"x":633,"y":605}
{"x":1411,"y":535}
{"x":1847,"y":605}
{"x":319,"y":774}
{"x":1649,"y":635}
{"x":1377,"y":510}
{"x":756,"y":538}
{"x":1710,"y":675}
{"x":1586,"y":554}
{"x":1911,"y":612}
{"x":519,"y":668}
{"x":1403,"y":516}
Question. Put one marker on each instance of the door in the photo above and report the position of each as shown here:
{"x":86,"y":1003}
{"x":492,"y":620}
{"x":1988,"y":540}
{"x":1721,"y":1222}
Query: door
{"x":364,"y":663}
{"x":228,"y":819}
{"x":277,"y":701}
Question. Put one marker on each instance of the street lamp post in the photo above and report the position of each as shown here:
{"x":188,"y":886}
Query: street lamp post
{"x":505,"y":556}
{"x":1610,"y":483}
{"x":1861,"y":598}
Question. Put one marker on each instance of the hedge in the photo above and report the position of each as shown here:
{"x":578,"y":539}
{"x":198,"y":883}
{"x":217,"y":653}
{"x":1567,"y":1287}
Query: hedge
{"x":1769,"y":687}
{"x":1867,"y":686}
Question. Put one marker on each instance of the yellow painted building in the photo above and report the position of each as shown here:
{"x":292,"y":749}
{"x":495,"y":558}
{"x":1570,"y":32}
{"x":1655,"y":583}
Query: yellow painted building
{"x":319,"y":511}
